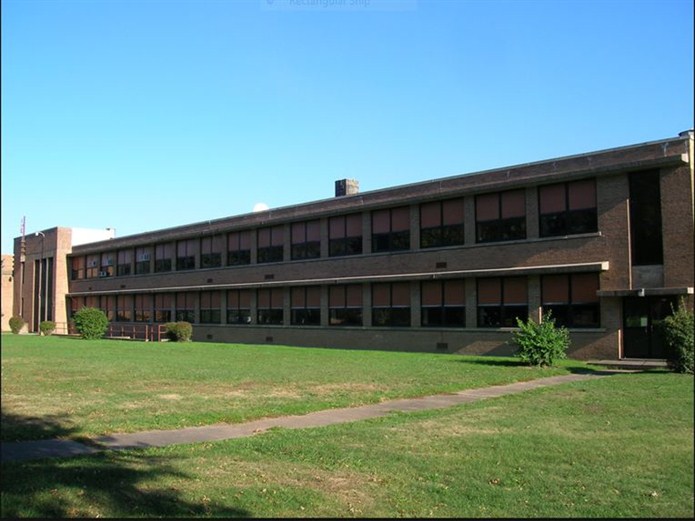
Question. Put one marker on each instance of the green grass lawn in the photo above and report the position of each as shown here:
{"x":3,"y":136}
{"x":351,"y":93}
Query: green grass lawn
{"x":65,"y":387}
{"x":620,"y":446}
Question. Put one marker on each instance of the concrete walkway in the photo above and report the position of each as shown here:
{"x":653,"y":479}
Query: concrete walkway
{"x":29,"y":450}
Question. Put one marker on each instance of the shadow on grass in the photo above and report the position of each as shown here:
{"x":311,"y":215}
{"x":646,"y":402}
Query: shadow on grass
{"x":15,"y":427}
{"x":578,"y":367}
{"x":108,"y":484}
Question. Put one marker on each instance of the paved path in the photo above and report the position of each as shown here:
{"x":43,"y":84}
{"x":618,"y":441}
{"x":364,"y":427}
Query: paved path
{"x":28,"y":450}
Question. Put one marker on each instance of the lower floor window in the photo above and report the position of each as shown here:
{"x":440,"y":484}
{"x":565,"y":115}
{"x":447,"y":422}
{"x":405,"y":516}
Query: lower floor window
{"x":501,"y":300}
{"x":571,"y":299}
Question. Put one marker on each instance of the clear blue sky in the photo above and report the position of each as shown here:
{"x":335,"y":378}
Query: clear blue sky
{"x":144,"y":114}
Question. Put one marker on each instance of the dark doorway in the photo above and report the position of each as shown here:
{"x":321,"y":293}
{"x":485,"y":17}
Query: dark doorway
{"x":641,"y":318}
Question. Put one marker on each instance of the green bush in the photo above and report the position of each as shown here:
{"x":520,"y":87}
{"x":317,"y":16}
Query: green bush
{"x":678,"y":335}
{"x":540,"y":344}
{"x":47,"y":327}
{"x":91,"y":323}
{"x":16,"y":324}
{"x":179,"y":331}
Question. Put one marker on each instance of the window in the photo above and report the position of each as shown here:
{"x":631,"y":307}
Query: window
{"x":443,"y":303}
{"x":125,"y":260}
{"x":501,"y":300}
{"x":345,"y":235}
{"x":238,"y":306}
{"x":211,"y":252}
{"x":92,"y":270}
{"x":108,"y":306}
{"x":270,"y":306}
{"x":391,"y":304}
{"x":210,"y":307}
{"x":345,"y":305}
{"x":142,"y":260}
{"x":270,"y":244}
{"x":568,"y":208}
{"x":500,"y":216}
{"x":239,"y":248}
{"x":306,"y":240}
{"x":391,"y":229}
{"x":646,"y":242}
{"x":107,"y":268}
{"x":441,"y":223}
{"x":185,"y":307}
{"x":162,"y":258}
{"x":571,"y":299}
{"x":186,"y":252}
{"x":162,"y":307}
{"x":124,"y":308}
{"x":306,"y":306}
{"x":143,"y":308}
{"x":77,"y":271}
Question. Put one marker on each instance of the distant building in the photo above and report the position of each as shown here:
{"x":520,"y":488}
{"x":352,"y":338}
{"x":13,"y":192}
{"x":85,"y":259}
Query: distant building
{"x":603,"y":240}
{"x":7,"y":290}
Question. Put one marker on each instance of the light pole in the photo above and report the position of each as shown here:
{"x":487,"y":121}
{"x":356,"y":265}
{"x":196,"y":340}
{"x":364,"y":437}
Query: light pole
{"x":43,"y":238}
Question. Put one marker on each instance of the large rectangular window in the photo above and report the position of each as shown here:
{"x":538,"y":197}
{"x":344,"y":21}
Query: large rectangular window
{"x":92,"y":270}
{"x":345,"y":235}
{"x":441,"y":223}
{"x":646,"y":241}
{"x":391,"y":229}
{"x":391,"y":304}
{"x":568,"y":208}
{"x":163,"y":302}
{"x":143,"y":308}
{"x":185,"y":307}
{"x":571,"y":299}
{"x":306,"y":306}
{"x":211,"y":251}
{"x":186,"y":252}
{"x":270,"y":244}
{"x":443,"y":303}
{"x":239,"y":248}
{"x":124,"y":308}
{"x":270,"y":306}
{"x":345,"y":305}
{"x":108,"y":306}
{"x":162,"y":257}
{"x":238,"y":306}
{"x":142,"y":260}
{"x":306,"y":240}
{"x":125,"y":262}
{"x":107,"y":267}
{"x":500,"y":216}
{"x":210,"y":307}
{"x":78,"y":268}
{"x":501,"y":300}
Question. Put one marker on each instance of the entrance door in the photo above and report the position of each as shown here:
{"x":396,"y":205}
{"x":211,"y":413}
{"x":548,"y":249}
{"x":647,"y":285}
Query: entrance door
{"x":642,"y":336}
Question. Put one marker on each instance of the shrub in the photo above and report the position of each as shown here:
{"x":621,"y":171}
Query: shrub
{"x":47,"y":327}
{"x":540,"y":344}
{"x":91,"y":323}
{"x":16,"y":324}
{"x":678,"y":336}
{"x":179,"y":331}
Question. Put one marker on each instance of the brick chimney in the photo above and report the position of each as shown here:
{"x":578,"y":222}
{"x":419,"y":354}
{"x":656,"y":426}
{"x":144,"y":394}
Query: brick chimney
{"x":346,"y":187}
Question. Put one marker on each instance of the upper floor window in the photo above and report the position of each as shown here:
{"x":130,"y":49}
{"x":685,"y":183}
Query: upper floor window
{"x":391,"y":304}
{"x":646,"y":233}
{"x":125,"y":261}
{"x":239,"y":248}
{"x":239,"y":306}
{"x":443,"y":303}
{"x":107,"y":264}
{"x":441,"y":223}
{"x":92,"y":270}
{"x":142,"y":260}
{"x":345,"y":235}
{"x":306,"y":240}
{"x":270,"y":244}
{"x":211,"y":251}
{"x":210,"y":307}
{"x":306,"y":306}
{"x":345,"y":305}
{"x":162,"y":257}
{"x":391,"y":229}
{"x":500,"y":216}
{"x":568,"y":208}
{"x":571,"y":299}
{"x":186,"y":252}
{"x":78,"y":270}
{"x":501,"y":300}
